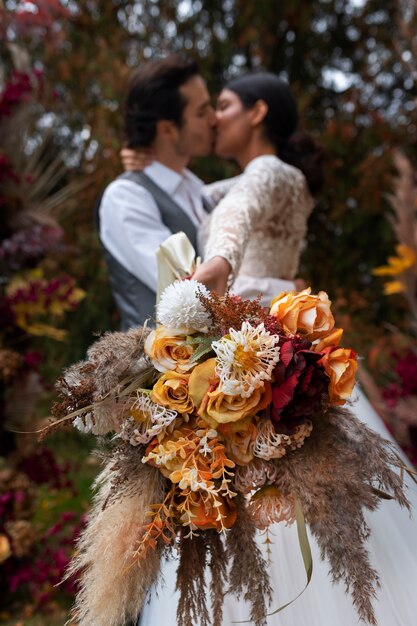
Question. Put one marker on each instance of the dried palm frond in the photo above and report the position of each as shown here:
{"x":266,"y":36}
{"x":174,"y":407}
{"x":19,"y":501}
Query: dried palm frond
{"x":43,"y":191}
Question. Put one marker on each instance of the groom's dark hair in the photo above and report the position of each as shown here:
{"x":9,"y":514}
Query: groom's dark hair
{"x":154,"y":95}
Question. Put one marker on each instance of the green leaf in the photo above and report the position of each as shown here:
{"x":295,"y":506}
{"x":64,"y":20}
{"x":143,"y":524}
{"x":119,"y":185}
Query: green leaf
{"x":204,"y":346}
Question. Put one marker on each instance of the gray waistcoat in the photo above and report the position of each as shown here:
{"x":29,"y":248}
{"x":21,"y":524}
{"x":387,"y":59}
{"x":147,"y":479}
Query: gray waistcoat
{"x":134,"y":299}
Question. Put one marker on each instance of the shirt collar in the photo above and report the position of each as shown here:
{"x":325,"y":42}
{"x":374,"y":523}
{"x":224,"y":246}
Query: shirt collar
{"x":168,"y":179}
{"x":163,"y":176}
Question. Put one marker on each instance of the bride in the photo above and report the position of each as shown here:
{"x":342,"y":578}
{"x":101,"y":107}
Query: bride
{"x":253,"y":241}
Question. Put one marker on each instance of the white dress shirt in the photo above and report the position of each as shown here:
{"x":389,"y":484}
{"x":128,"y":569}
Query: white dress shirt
{"x":131,"y":228}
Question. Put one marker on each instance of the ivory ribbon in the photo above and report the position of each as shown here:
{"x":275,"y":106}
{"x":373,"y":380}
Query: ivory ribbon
{"x":176,"y":259}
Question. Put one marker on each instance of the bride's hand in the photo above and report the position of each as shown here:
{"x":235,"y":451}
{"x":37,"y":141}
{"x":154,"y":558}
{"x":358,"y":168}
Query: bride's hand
{"x":135,"y":160}
{"x":214,"y":274}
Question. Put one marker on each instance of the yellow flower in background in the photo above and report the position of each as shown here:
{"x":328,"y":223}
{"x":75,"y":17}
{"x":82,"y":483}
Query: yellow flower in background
{"x":304,"y":313}
{"x":5,"y":549}
{"x":406,"y":258}
{"x":30,"y":296}
{"x":393,"y":286}
{"x":397,"y":265}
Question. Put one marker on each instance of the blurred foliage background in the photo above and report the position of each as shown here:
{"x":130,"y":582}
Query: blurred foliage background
{"x":63,"y":72}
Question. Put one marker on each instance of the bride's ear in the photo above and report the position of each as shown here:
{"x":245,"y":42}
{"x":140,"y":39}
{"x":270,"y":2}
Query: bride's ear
{"x":258,"y":112}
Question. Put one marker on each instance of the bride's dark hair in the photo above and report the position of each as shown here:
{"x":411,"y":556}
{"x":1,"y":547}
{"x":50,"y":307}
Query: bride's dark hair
{"x":280,"y":123}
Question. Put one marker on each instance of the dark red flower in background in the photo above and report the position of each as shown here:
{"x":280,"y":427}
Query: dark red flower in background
{"x":16,"y":91}
{"x":406,"y":374}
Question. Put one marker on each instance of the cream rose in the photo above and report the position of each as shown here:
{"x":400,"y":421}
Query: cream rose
{"x":169,"y":352}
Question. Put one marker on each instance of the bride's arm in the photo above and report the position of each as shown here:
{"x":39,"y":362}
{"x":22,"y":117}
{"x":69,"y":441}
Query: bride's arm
{"x":215,"y":192}
{"x":232,"y":222}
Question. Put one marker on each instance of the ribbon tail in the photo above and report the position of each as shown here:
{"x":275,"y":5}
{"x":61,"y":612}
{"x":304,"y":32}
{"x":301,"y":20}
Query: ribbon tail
{"x":305,"y":553}
{"x":176,"y":259}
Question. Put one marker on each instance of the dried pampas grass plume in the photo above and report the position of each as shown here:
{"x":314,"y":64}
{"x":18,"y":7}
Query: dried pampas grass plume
{"x":343,"y":469}
{"x":116,"y":356}
{"x":112,"y":590}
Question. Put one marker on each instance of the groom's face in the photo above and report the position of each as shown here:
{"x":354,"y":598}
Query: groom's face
{"x":196,"y":134}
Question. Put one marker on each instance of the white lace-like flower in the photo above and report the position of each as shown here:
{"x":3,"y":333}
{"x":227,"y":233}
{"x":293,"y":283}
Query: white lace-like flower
{"x":148,"y":419}
{"x":179,"y":307}
{"x":272,"y":445}
{"x":245,"y":359}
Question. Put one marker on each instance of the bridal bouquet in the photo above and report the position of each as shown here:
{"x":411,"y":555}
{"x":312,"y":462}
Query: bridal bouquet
{"x":224,"y":419}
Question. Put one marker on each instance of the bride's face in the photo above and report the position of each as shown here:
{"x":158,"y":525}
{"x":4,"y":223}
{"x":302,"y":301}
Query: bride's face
{"x":233,"y":128}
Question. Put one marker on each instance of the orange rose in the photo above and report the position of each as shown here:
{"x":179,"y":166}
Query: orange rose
{"x":205,"y":515}
{"x":216,"y":407}
{"x":340,"y":365}
{"x":303,"y":313}
{"x":332,"y":340}
{"x":169,"y":352}
{"x":171,"y":390}
{"x":239,"y":442}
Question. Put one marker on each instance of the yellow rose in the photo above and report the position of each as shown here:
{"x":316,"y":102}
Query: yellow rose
{"x":340,"y":365}
{"x":303,"y":313}
{"x":216,"y":407}
{"x":219,"y":408}
{"x":171,"y":390}
{"x":5,"y":549}
{"x":169,"y":352}
{"x":202,"y":379}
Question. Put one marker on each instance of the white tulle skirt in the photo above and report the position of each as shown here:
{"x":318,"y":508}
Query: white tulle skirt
{"x":393,"y":550}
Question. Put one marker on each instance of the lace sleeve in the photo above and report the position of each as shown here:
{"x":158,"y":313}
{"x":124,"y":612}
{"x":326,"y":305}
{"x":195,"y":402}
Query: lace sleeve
{"x":214,"y":192}
{"x":245,"y":203}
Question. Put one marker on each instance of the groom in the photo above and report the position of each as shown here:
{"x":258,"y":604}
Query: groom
{"x":168,"y":110}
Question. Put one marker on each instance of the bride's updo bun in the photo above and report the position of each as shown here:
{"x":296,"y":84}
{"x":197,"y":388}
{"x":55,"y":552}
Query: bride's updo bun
{"x":296,"y":148}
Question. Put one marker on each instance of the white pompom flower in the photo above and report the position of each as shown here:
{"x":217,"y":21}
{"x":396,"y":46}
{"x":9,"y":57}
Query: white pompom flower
{"x":179,"y":307}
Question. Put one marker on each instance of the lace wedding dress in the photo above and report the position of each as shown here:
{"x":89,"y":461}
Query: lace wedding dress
{"x":259,"y":225}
